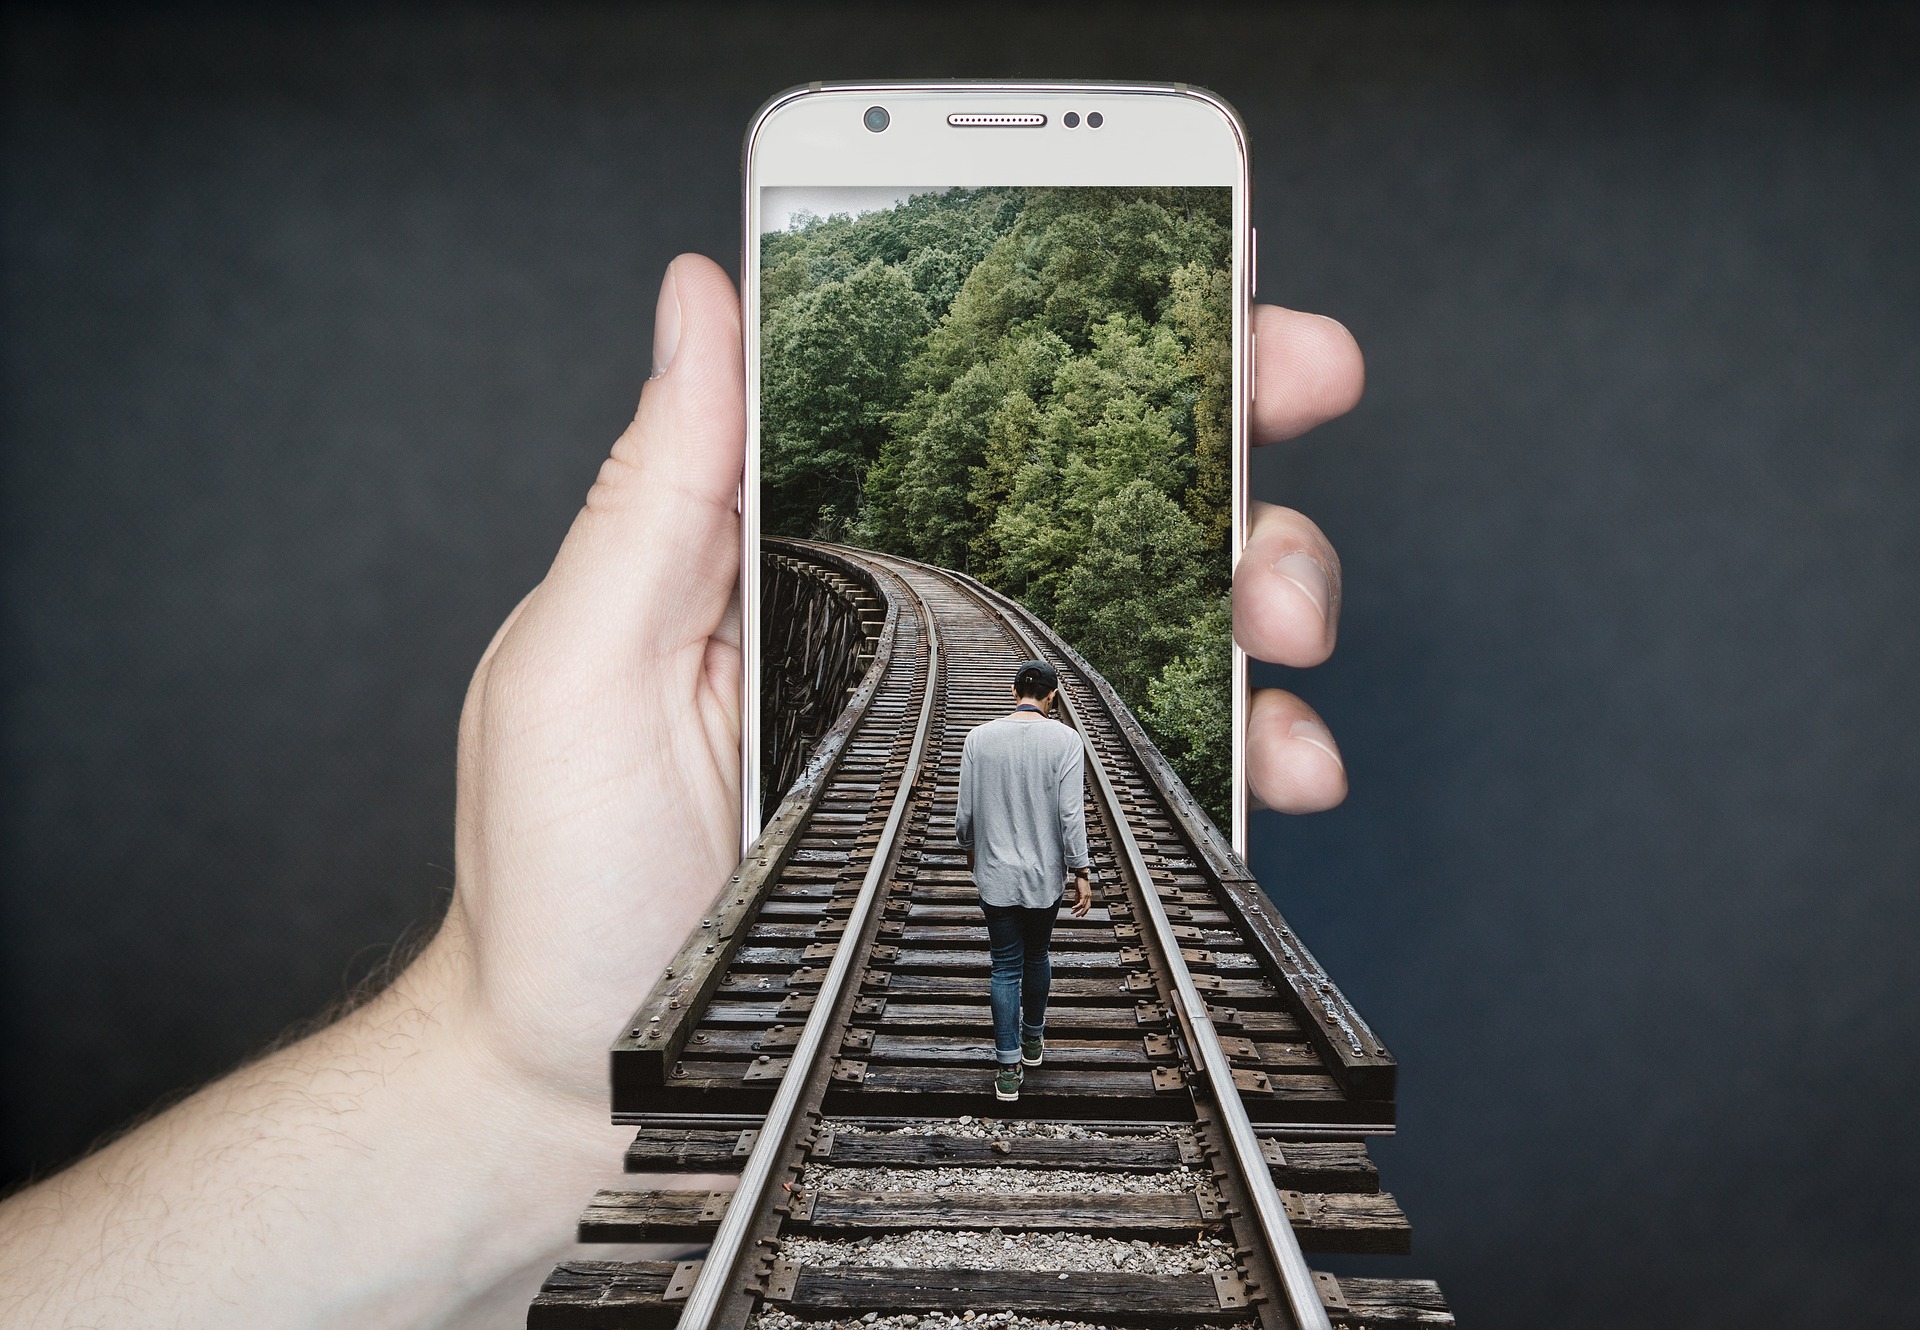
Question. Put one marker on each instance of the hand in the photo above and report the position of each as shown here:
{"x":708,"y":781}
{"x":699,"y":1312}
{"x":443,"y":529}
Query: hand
{"x":1286,"y":592}
{"x":1082,"y":896}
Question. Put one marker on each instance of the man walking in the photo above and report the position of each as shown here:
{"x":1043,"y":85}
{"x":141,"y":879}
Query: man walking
{"x":1022,"y":822}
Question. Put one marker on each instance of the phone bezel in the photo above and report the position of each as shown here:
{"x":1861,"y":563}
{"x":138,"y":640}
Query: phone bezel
{"x":1182,"y":135}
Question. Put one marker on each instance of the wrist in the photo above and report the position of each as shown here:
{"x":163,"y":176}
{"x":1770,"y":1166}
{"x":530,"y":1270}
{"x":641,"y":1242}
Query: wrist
{"x":481,"y":1041}
{"x":462,"y":1122}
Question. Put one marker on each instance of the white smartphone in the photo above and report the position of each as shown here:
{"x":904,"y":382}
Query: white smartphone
{"x":1003,"y":329}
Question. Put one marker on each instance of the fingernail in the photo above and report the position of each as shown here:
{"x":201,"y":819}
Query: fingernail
{"x":1305,"y":572}
{"x":666,"y":324}
{"x":1313,"y":732}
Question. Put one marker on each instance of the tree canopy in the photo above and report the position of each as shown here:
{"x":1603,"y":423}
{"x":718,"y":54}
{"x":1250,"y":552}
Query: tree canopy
{"x":1033,"y":386}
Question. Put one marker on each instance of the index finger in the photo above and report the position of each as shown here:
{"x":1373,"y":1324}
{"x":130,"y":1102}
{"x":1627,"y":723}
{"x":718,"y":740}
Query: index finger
{"x":1307,"y":370}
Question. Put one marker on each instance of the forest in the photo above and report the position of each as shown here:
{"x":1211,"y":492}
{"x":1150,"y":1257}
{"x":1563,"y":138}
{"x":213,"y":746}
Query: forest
{"x":1032,"y":386}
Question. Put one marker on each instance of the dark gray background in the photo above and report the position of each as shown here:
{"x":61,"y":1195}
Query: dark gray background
{"x":317,"y":325}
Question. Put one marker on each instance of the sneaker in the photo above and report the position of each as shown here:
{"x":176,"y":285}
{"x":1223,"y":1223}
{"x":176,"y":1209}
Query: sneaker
{"x":1032,"y":1050}
{"x":1006,"y":1082}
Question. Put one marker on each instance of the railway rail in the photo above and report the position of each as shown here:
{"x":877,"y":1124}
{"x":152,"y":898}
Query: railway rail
{"x":1201,"y":1118}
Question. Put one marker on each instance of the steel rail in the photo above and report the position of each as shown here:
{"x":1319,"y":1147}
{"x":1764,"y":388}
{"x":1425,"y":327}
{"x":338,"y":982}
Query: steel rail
{"x":1283,"y":1245}
{"x":712,"y":1284}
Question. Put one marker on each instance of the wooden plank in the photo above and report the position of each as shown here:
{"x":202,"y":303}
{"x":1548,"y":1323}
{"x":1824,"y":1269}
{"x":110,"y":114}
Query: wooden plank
{"x":1351,"y":1222}
{"x":978,"y":1051}
{"x":1353,"y":1302}
{"x":605,"y":1295}
{"x":1104,"y":1296}
{"x":727,"y":1042}
{"x":1065,"y":987}
{"x":972,"y":1017}
{"x":651,"y":1216}
{"x":921,"y":959}
{"x":751,"y":1012}
{"x":883,"y":1081}
{"x":1257,"y":1021}
{"x":626,"y":1295}
{"x":1321,"y":1166}
{"x":970,"y":915}
{"x":668,"y":1150}
{"x":952,"y":935}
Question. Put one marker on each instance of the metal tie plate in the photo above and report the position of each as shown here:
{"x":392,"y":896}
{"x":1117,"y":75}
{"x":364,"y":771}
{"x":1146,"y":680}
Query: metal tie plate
{"x":1208,"y":1198}
{"x":681,"y":1283}
{"x":1230,"y":1289}
{"x":780,"y":1281}
{"x":1249,"y":1081}
{"x":1332,"y":1296}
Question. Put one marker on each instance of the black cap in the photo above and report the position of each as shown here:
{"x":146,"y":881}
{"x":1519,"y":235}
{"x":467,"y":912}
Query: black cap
{"x":1035,"y":678}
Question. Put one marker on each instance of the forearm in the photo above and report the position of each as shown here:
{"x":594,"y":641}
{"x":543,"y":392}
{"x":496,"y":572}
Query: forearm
{"x":387,"y":1171}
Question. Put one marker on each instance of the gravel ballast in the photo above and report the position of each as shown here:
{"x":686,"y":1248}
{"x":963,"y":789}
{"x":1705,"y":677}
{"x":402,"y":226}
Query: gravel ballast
{"x":987,"y":1129}
{"x":779,"y":1320}
{"x":994,"y":1250}
{"x":826,"y":1178}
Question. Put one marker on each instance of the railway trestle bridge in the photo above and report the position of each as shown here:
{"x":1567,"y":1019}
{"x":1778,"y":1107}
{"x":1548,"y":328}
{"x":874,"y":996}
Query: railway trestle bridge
{"x":1199,"y":1125}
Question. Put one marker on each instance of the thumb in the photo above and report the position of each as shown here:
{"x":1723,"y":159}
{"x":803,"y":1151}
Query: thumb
{"x":652,"y":557}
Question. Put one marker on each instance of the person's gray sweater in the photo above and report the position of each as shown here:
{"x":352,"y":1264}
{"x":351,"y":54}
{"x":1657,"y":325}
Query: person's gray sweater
{"x":1021,"y":809}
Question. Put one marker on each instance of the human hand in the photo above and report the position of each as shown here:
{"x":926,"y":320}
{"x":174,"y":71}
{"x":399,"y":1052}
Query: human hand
{"x":1286,"y":589}
{"x":1082,"y":896}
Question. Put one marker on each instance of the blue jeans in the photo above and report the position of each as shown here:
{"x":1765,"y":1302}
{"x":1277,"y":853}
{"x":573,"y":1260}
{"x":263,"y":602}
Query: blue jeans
{"x":1018,"y":936}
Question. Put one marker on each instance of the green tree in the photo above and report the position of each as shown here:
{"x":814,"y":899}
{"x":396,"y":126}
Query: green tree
{"x":1132,"y":595}
{"x":1189,"y":710}
{"x":831,"y":375}
{"x":1201,"y":308}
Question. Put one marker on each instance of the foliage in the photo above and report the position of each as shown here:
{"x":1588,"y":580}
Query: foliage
{"x":1184,"y":706}
{"x":1032,"y":385}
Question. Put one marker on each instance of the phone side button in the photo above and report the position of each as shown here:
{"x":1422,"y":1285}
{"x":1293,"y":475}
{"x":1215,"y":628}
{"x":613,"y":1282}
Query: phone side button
{"x":1253,"y":262}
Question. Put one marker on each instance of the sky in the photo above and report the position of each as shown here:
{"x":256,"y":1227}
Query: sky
{"x":779,"y":203}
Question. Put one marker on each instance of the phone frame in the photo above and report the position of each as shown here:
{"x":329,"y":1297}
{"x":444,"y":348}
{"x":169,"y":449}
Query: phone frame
{"x":1163,"y":147}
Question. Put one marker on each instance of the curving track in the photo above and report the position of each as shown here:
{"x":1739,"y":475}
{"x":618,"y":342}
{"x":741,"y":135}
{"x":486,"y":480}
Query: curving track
{"x":1205,"y":1099}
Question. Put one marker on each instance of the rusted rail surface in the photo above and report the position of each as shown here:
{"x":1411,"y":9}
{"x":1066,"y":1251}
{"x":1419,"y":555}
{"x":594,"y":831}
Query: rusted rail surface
{"x":907,"y":1047}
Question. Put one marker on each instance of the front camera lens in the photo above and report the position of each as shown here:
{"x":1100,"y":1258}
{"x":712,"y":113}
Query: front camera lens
{"x":876,"y":118}
{"x":1094,"y":120}
{"x":1072,"y":118}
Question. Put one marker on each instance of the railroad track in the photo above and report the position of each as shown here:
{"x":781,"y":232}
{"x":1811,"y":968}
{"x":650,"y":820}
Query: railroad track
{"x":1201,"y":1118}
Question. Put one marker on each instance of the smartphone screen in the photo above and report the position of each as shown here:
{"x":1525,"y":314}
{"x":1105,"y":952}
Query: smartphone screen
{"x":1029,"y":383}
